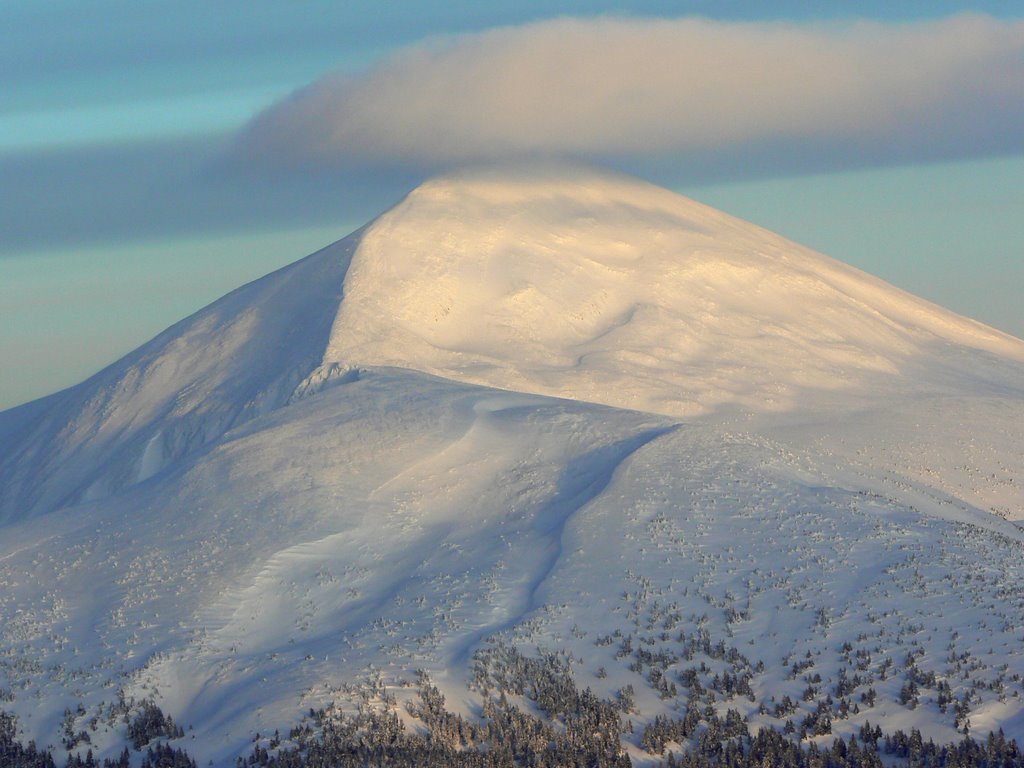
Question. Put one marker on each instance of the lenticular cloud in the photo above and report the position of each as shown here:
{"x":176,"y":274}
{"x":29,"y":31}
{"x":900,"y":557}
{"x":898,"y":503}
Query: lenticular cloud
{"x":613,"y":86}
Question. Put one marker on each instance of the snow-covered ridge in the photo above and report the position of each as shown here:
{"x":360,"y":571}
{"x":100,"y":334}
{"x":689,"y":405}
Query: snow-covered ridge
{"x":605,"y":288}
{"x":573,"y":283}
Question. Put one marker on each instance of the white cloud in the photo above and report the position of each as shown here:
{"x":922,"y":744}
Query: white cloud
{"x":616,"y":86}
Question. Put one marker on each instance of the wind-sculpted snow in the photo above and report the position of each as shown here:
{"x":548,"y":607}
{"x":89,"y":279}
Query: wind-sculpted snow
{"x":305,"y":493}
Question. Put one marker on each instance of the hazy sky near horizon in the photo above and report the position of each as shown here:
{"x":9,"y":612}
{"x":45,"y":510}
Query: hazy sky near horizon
{"x":153,"y":155}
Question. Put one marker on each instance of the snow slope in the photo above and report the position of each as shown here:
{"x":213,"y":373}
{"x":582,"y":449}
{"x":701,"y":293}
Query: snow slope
{"x":561,"y":410}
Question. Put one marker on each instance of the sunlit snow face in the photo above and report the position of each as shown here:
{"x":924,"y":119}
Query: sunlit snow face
{"x":591,"y":286}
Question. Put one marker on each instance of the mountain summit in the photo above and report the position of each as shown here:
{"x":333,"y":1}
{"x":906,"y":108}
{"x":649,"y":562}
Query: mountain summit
{"x":572,"y":283}
{"x":604,"y":288}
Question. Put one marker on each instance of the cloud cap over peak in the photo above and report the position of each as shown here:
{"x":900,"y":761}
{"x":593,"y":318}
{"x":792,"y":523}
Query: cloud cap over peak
{"x":612,"y":86}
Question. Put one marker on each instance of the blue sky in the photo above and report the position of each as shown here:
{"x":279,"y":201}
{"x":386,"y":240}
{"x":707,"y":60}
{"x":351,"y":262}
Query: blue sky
{"x":121,"y":213}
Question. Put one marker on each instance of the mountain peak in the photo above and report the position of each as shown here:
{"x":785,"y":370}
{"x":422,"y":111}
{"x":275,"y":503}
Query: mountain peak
{"x":594,"y":286}
{"x":564,"y":282}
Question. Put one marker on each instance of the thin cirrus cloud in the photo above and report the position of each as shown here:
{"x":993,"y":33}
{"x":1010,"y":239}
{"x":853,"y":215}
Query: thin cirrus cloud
{"x":641,"y":87}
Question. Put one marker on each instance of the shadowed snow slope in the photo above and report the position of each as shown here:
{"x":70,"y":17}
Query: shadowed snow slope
{"x":242,"y":356}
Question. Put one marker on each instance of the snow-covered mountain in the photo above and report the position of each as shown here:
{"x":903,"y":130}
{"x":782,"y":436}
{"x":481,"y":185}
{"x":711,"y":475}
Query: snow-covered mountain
{"x":560,"y":409}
